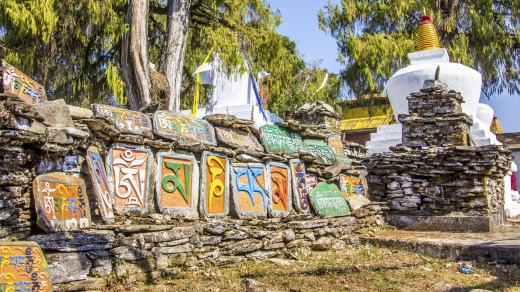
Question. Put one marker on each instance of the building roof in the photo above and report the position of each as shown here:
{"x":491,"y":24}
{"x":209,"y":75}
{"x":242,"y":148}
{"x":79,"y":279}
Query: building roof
{"x":510,"y":140}
{"x":366,"y":123}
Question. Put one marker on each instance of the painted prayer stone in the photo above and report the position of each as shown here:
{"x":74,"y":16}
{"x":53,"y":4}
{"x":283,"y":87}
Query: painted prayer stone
{"x":320,"y":149}
{"x":215,"y":185}
{"x":279,"y":140}
{"x":126,"y":121}
{"x":23,"y":267}
{"x":177,"y":186}
{"x":337,"y":146}
{"x":100,"y":182}
{"x":14,"y":81}
{"x":328,"y":201}
{"x":238,"y":139}
{"x":129,"y":168}
{"x":299,"y":186}
{"x":280,"y":192}
{"x":351,"y":186}
{"x":61,"y":202}
{"x":249,"y":190}
{"x":172,"y":126}
{"x":311,"y":179}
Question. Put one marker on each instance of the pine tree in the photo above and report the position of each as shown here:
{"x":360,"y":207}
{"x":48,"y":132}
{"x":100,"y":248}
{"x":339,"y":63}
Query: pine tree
{"x":374,"y":38}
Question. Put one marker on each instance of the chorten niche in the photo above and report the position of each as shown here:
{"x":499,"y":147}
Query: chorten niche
{"x":429,"y":59}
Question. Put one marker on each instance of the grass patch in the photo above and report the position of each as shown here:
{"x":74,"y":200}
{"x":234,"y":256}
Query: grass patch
{"x":361,"y":268}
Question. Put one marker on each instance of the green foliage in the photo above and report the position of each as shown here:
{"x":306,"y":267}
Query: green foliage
{"x":374,"y":38}
{"x":66,"y":45}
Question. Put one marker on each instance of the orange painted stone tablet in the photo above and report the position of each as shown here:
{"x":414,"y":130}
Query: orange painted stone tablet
{"x":61,"y":202}
{"x":23,"y":267}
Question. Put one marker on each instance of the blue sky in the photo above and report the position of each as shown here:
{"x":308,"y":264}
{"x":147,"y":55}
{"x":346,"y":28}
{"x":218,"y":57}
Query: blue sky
{"x":300,"y":24}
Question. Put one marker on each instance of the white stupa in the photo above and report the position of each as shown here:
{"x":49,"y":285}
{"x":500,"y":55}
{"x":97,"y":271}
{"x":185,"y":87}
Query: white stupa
{"x":423,"y":64}
{"x":232,"y":94}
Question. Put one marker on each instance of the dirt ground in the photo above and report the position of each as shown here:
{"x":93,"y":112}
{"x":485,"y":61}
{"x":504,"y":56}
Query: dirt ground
{"x":360,"y":268}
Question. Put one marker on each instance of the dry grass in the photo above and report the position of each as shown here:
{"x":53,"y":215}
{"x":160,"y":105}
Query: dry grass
{"x":361,"y":268}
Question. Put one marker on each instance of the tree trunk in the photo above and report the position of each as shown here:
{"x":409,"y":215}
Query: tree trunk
{"x":172,"y":58}
{"x":134,"y":59}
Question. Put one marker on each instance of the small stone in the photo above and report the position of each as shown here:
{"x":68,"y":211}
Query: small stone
{"x":68,"y":267}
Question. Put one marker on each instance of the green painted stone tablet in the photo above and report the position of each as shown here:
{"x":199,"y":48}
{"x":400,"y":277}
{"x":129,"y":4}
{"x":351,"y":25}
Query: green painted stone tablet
{"x":328,"y":201}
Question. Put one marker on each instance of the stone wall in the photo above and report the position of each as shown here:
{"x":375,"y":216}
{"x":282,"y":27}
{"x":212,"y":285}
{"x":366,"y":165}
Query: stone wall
{"x":433,"y":177}
{"x":157,"y":240}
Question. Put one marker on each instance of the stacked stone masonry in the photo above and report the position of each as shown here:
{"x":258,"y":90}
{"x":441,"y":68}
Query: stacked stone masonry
{"x":434,"y":173}
{"x":130,"y":165}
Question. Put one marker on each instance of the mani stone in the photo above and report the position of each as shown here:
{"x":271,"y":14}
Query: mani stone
{"x":177,"y":186}
{"x":280,"y":141}
{"x":126,"y":121}
{"x":248,"y":185}
{"x":279,"y":189}
{"x":328,"y":201}
{"x":15,"y":82}
{"x":130,"y":169}
{"x":299,"y":186}
{"x":61,"y":202}
{"x":321,"y":150}
{"x":214,"y":199}
{"x":100,"y":183}
{"x":23,"y":266}
{"x":179,"y":127}
{"x":238,"y":139}
{"x":56,"y":113}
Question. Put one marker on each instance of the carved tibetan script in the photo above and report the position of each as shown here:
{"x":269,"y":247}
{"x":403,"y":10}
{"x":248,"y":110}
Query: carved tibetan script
{"x":125,"y":120}
{"x":100,"y":183}
{"x":23,"y":267}
{"x":300,"y":193}
{"x":175,"y":188}
{"x":249,"y":189}
{"x":130,"y":169}
{"x":279,"y":189}
{"x":215,"y":181}
{"x":337,"y":146}
{"x":238,"y":139}
{"x":14,"y":81}
{"x":351,"y":186}
{"x":279,"y":140}
{"x":174,"y":125}
{"x":61,"y":202}
{"x":320,"y":149}
{"x":328,"y":201}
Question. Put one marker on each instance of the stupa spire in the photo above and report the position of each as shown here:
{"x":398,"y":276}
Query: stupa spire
{"x":428,"y":37}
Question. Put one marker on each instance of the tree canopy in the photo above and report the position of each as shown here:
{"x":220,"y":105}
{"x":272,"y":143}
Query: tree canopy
{"x":73,"y":47}
{"x":374,"y":38}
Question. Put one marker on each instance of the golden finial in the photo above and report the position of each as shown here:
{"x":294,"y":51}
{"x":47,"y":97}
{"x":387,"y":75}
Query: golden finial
{"x":428,"y":38}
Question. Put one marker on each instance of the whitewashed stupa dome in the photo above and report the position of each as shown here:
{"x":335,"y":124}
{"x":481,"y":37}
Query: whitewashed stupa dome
{"x":423,"y":65}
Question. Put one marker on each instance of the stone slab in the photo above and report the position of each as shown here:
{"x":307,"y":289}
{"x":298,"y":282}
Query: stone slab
{"x":321,"y":150}
{"x":129,"y":168}
{"x":279,"y":140}
{"x":299,"y":186}
{"x":24,"y":267}
{"x":177,"y":185}
{"x":351,"y":185}
{"x":55,"y":113}
{"x":249,"y":190}
{"x":447,"y":223}
{"x":238,"y":139}
{"x":68,"y":267}
{"x":101,"y":183}
{"x":357,"y":201}
{"x":326,"y":199}
{"x":76,"y":240}
{"x":311,"y":180}
{"x":214,"y":185}
{"x":502,"y":245}
{"x":77,"y":112}
{"x":126,"y":121}
{"x":61,"y":202}
{"x":279,"y":189}
{"x":14,"y":81}
{"x":175,"y":126}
